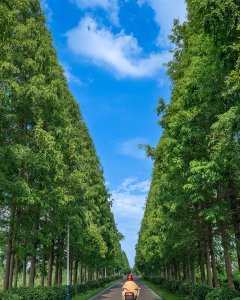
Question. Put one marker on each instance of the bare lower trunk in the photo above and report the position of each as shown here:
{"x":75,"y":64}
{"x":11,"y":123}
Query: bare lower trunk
{"x":56,"y":279}
{"x":9,"y":249}
{"x":164,"y":272}
{"x":228,"y":263}
{"x":180,"y":271}
{"x":208,"y":265}
{"x":237,"y":240}
{"x":184,"y":271}
{"x":50,"y":265}
{"x":89,"y":275}
{"x":80,"y":274}
{"x":193,"y":277}
{"x":188,"y":271}
{"x":11,"y":270}
{"x":71,"y":271}
{"x":202,"y":268}
{"x":235,"y":207}
{"x":32,"y":270}
{"x":24,"y":272}
{"x":43,"y":271}
{"x":75,"y":273}
{"x":168,"y":272}
{"x":16,"y":271}
{"x":213,"y":257}
{"x":60,"y":271}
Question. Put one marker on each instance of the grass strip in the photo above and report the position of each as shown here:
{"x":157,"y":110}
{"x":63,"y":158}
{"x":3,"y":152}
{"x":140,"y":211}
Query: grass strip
{"x":164,"y":294}
{"x":91,"y":293}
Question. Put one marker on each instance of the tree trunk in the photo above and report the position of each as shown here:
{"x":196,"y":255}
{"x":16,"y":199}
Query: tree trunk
{"x":164,"y":271}
{"x":9,"y":248}
{"x":24,"y":272}
{"x":16,"y":271}
{"x":71,"y":271}
{"x":184,"y":271}
{"x":193,"y":277}
{"x":213,"y":257}
{"x":43,"y":271}
{"x":80,"y":273}
{"x":89,"y":275}
{"x":75,"y":273}
{"x":228,"y":263}
{"x":11,"y":270}
{"x":61,"y":260}
{"x":188,"y":271}
{"x":32,"y":270}
{"x":50,"y":265}
{"x":56,"y":279}
{"x":235,"y":207}
{"x":208,"y":265}
{"x":179,"y":272}
{"x":60,"y":271}
{"x":168,"y":272}
{"x":202,"y":268}
{"x":237,"y":241}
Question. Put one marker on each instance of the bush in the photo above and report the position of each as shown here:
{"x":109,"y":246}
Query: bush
{"x":9,"y":296}
{"x":193,"y":291}
{"x":185,"y":288}
{"x":199,"y":291}
{"x":51,"y":293}
{"x":223,"y":293}
{"x":196,"y":291}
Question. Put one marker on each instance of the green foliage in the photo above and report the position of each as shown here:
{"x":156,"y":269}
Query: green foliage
{"x":193,"y":291}
{"x":192,"y":209}
{"x":51,"y":293}
{"x":222,"y":294}
{"x":50,"y":175}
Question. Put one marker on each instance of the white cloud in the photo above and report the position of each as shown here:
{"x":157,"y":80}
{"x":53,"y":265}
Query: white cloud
{"x":131,"y":148}
{"x":111,"y":6}
{"x":128,"y":204}
{"x":165,"y":12}
{"x":129,"y":197}
{"x":69,"y":76}
{"x":118,"y":52}
{"x":132,"y":185}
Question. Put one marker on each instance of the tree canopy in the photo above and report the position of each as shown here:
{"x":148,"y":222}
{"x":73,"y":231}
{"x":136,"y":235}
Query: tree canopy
{"x":191,"y":226}
{"x":50,"y":175}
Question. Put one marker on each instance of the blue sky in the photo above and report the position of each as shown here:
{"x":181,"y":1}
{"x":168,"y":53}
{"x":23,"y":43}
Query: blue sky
{"x":113,"y":53}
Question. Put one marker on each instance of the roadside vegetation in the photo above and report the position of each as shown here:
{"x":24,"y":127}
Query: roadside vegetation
{"x":191,"y":227}
{"x":50,"y":176}
{"x":89,"y":294}
{"x":163,"y":293}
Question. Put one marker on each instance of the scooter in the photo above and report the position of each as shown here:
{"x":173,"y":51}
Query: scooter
{"x":129,"y":296}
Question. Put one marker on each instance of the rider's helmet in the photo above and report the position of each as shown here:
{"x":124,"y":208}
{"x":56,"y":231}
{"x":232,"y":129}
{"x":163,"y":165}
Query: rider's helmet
{"x":129,"y":277}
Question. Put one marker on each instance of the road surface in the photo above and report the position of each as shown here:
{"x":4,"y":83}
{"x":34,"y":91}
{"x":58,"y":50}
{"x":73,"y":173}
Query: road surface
{"x":114,"y":293}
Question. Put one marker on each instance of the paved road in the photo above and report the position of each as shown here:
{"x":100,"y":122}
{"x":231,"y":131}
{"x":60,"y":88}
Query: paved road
{"x":114,"y":293}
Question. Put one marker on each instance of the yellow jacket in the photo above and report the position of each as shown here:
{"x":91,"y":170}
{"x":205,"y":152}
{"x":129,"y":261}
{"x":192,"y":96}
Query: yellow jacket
{"x":130,"y":286}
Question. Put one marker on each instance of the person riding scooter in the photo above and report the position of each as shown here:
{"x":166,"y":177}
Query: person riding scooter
{"x":130,"y":287}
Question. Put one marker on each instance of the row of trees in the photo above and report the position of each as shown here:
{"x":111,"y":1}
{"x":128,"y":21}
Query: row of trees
{"x":191,"y":224}
{"x":50,"y":175}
